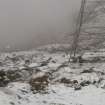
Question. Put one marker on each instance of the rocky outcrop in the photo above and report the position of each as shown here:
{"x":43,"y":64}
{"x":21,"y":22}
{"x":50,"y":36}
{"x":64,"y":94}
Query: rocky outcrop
{"x":39,"y":82}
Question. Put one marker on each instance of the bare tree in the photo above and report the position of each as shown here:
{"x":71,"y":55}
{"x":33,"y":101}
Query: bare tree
{"x":90,"y":23}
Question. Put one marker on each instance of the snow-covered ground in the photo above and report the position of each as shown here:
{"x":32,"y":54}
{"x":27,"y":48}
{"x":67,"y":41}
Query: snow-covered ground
{"x":68,"y":84}
{"x":20,"y":94}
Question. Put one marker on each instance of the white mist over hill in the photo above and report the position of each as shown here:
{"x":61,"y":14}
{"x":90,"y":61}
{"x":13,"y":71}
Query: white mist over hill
{"x":30,"y":23}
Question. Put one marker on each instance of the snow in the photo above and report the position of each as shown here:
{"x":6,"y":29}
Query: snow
{"x":20,"y":93}
{"x":58,"y":95}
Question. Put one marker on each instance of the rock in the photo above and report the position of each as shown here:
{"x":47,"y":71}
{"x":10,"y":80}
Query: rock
{"x":39,"y":81}
{"x":102,"y":84}
{"x":12,"y":103}
{"x":77,"y":86}
{"x":73,"y":60}
{"x":3,"y":79}
{"x":66,"y":81}
{"x":90,"y":70}
{"x":14,"y":75}
{"x":87,"y":78}
{"x":85,"y":83}
{"x":96,"y":59}
{"x":27,"y":62}
{"x":45,"y":63}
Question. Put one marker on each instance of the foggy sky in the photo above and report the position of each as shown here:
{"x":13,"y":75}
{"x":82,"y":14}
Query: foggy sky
{"x":30,"y":23}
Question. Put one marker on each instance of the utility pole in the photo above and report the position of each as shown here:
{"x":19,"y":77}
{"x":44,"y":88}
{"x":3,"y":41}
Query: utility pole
{"x":78,"y":30}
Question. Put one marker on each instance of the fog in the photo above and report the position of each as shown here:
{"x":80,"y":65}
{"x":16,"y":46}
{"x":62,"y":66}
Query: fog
{"x":26,"y":24}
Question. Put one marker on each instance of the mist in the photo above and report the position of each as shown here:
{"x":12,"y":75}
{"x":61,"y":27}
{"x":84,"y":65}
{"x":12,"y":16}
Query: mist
{"x":26,"y":24}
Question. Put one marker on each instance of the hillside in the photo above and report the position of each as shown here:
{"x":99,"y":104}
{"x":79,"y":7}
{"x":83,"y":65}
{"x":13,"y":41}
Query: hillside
{"x":43,"y":78}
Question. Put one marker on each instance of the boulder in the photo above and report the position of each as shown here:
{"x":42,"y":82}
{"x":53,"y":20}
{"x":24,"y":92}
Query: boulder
{"x":65,"y":81}
{"x":4,"y":80}
{"x":14,"y":75}
{"x":39,"y":81}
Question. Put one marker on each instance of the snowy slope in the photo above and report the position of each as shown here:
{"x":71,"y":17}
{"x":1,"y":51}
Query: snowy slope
{"x":67,"y":84}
